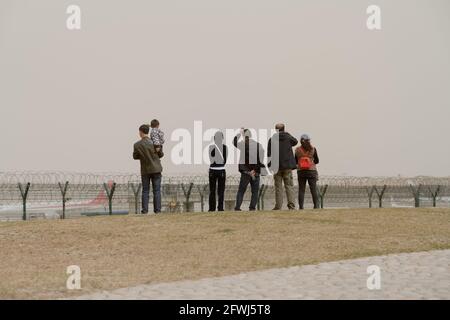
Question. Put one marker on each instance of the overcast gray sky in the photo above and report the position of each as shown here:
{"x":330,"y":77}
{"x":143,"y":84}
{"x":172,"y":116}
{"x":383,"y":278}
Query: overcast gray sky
{"x":374,"y":102}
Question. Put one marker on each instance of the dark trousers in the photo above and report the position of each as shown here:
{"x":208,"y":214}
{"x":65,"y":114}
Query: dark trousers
{"x":243,"y":183}
{"x":155,"y":178}
{"x":216,"y":185}
{"x":311,"y":177}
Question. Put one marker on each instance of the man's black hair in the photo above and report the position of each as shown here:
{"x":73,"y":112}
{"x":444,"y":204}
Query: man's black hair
{"x":145,"y":128}
{"x":154,"y":123}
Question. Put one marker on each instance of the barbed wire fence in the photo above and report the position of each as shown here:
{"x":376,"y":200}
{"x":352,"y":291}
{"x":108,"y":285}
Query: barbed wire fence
{"x":30,"y":195}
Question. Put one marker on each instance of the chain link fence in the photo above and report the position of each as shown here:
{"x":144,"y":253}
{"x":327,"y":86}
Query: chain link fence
{"x":33,"y":195}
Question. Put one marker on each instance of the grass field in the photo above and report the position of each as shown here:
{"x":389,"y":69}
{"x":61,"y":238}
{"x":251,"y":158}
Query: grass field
{"x":122,"y":251}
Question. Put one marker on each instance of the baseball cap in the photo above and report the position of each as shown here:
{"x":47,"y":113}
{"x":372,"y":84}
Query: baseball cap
{"x":305,"y":137}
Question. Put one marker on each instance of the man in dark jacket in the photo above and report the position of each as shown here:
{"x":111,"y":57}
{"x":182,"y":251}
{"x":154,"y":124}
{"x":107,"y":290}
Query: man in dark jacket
{"x":218,"y":153}
{"x":250,"y":165}
{"x":281,"y":163}
{"x":144,"y":150}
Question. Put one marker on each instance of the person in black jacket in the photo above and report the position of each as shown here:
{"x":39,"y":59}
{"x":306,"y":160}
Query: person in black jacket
{"x":250,"y":165}
{"x":281,"y":163}
{"x":218,"y":153}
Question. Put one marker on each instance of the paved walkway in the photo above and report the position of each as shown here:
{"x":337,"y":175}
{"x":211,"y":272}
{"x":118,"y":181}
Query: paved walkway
{"x":421,"y":275}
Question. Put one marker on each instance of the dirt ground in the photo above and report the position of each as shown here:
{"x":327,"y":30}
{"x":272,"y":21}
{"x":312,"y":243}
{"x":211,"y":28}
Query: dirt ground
{"x":121,"y":251}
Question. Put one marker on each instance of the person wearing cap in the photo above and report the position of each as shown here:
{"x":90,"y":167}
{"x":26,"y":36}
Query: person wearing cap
{"x":307,"y":159}
{"x":281,"y":162}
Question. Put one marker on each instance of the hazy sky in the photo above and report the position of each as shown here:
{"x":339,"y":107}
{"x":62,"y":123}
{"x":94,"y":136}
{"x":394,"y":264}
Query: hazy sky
{"x":374,"y":102}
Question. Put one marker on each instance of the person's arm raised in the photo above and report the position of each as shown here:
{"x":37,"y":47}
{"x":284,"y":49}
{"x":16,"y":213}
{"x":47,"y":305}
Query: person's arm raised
{"x":269,"y":148}
{"x":212,"y":153}
{"x":293,"y":140}
{"x":316,"y":156}
{"x":235,"y":140}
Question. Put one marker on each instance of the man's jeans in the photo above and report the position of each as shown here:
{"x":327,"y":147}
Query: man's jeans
{"x":155,"y":178}
{"x":243,"y":183}
{"x":216,"y":177}
{"x":286,"y":177}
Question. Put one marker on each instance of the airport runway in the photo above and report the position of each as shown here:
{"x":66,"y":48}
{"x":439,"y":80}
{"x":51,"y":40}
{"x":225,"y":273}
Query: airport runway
{"x":421,"y":275}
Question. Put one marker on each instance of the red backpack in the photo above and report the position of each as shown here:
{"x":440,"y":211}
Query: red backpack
{"x":305,"y":162}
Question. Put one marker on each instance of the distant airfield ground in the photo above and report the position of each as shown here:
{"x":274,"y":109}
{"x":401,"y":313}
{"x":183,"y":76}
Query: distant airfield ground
{"x":122,"y":251}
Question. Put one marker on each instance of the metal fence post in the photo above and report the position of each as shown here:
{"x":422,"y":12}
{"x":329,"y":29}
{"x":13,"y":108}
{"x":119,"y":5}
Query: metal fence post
{"x":24,"y":194}
{"x":434,"y":194}
{"x":63,"y":190}
{"x":370,"y":193}
{"x":322,"y":190}
{"x":416,"y":194}
{"x":201,"y":192}
{"x":187,"y":194}
{"x":136,"y":192}
{"x":380,"y":195}
{"x":261,"y":193}
{"x":262,"y":197}
{"x":110,"y":194}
